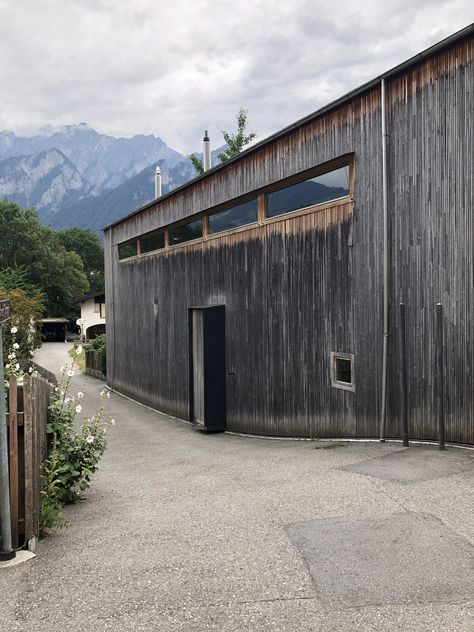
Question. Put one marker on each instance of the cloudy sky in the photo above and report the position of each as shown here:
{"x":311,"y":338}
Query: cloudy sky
{"x":174,"y":68}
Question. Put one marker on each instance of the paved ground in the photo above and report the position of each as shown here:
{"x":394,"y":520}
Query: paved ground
{"x":188,"y":532}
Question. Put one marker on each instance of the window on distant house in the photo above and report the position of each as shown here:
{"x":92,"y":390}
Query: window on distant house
{"x":326,"y":187}
{"x":233,"y":217}
{"x":127,"y":250}
{"x":342,"y":371}
{"x":185,"y":232}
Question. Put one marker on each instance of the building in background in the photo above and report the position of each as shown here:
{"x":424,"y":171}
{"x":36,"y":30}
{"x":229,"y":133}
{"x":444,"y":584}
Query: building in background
{"x":93,"y":314}
{"x":263,"y":296}
{"x":54,"y":329}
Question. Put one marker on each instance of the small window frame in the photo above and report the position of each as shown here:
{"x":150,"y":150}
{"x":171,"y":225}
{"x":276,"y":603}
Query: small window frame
{"x":143,"y":238}
{"x":170,"y":229}
{"x":128,"y":243}
{"x":311,"y":174}
{"x":335,"y":356}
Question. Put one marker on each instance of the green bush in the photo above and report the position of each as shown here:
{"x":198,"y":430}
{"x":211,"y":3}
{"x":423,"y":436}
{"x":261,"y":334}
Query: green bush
{"x":99,"y":344}
{"x":73,"y":455}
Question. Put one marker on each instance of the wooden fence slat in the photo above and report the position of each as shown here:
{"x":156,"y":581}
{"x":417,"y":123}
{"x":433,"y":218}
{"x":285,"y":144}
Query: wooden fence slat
{"x":27,"y":448}
{"x":13,"y":451}
{"x":38,"y":428}
{"x":28,"y":405}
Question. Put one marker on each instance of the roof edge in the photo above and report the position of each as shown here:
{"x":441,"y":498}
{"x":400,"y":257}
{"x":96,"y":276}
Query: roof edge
{"x":409,"y":63}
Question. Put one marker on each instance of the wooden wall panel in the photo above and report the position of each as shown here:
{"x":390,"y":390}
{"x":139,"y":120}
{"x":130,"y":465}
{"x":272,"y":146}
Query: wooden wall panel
{"x":295,"y":290}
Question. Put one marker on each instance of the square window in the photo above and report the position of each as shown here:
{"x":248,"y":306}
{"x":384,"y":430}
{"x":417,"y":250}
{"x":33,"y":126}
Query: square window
{"x":342,"y":371}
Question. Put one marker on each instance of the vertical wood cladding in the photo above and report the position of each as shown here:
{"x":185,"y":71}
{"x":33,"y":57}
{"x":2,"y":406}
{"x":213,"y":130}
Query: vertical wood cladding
{"x":297,"y":289}
{"x":432,"y":201}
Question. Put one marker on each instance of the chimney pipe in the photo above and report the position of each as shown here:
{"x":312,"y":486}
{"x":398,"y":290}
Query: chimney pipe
{"x":157,"y":182}
{"x":206,"y":152}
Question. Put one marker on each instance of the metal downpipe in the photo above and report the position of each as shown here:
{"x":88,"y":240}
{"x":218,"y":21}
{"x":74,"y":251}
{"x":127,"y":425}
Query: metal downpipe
{"x":385,"y":264}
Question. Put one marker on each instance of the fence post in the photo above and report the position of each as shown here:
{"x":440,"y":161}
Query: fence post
{"x":29,"y":464}
{"x":404,"y":380}
{"x":7,"y":552}
{"x":440,"y":375}
{"x":13,"y":446}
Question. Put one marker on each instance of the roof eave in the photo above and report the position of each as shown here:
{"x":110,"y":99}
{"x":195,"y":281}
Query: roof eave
{"x":432,"y":50}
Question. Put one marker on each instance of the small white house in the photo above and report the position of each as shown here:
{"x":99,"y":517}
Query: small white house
{"x":93,"y":314}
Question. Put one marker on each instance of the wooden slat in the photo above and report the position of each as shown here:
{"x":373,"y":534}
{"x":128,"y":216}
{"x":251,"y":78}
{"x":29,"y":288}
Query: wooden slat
{"x":36,"y":450}
{"x":13,"y":453}
{"x":301,"y":287}
{"x":29,"y":460}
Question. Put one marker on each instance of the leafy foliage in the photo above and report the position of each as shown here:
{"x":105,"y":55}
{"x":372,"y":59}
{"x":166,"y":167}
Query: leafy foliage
{"x":50,"y":515}
{"x":235,"y":142}
{"x":99,"y":344}
{"x":21,"y":335}
{"x":85,"y":243}
{"x":17,"y":278}
{"x":73,"y":455}
{"x":197,"y":163}
{"x":34,"y":256}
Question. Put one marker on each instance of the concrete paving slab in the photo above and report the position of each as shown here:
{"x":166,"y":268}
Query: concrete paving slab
{"x":182,"y":531}
{"x":416,"y":463}
{"x":396,"y":558}
{"x":20,"y":557}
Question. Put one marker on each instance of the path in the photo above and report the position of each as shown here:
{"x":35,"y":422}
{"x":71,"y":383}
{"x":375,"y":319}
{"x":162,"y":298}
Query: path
{"x":188,"y":532}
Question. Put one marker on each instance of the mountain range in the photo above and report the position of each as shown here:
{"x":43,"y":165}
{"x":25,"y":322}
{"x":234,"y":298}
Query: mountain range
{"x":75,"y":176}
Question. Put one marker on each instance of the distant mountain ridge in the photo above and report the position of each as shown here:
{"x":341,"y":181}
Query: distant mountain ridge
{"x":75,"y":176}
{"x":103,"y":161}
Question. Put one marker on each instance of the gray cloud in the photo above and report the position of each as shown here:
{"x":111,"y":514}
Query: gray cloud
{"x":174,"y":69}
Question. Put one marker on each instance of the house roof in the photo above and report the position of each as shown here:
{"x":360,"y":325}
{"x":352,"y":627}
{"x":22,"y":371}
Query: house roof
{"x":412,"y":61}
{"x":87,"y":297}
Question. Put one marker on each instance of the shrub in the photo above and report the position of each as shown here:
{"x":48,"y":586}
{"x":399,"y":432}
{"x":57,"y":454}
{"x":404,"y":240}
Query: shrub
{"x":99,"y":344}
{"x":74,"y":453}
{"x":22,"y":328}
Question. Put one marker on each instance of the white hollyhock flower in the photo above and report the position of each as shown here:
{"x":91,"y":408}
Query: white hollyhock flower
{"x":79,"y":350}
{"x":90,"y":439}
{"x":16,"y":345}
{"x":112,"y":422}
{"x":80,"y":395}
{"x":17,"y":367}
{"x":14,"y":330}
{"x":62,"y":369}
{"x":78,"y":408}
{"x":70,"y":373}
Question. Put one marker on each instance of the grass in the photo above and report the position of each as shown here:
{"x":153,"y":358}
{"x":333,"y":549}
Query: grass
{"x":80,"y":360}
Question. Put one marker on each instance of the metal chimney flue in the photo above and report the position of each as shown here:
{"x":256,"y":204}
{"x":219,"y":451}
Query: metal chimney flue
{"x":157,"y":182}
{"x":206,"y":152}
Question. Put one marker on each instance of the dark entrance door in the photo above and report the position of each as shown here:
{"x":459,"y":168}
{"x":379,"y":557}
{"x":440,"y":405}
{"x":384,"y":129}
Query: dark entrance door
{"x":208,"y":368}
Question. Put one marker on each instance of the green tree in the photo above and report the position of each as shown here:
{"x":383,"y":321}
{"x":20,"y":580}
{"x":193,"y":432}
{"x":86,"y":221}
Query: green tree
{"x":197,"y":163}
{"x":26,"y":311}
{"x":234,"y":142}
{"x":86,"y":244}
{"x":35,"y":256}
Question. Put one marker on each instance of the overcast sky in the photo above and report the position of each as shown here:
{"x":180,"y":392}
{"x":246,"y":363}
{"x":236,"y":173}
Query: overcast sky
{"x":174,"y":68}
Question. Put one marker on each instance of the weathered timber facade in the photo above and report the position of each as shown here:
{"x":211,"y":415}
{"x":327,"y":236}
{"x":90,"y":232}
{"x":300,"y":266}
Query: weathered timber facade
{"x":303,"y":285}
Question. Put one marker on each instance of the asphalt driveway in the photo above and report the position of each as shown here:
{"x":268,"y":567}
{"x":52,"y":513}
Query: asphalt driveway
{"x":186,"y":531}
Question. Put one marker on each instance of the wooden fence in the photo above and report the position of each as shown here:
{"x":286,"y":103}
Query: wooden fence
{"x":93,"y":365}
{"x":26,"y":424}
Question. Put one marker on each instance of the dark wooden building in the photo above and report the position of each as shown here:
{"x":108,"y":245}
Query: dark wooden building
{"x":258,"y":296}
